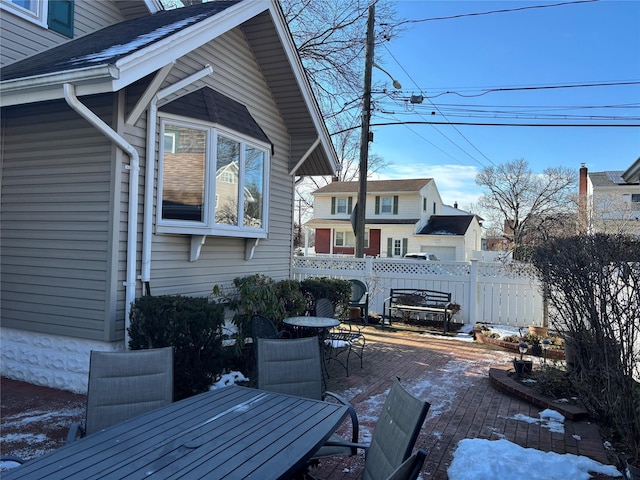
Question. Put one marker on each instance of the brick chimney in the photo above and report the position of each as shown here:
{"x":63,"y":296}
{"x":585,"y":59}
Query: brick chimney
{"x":582,"y":199}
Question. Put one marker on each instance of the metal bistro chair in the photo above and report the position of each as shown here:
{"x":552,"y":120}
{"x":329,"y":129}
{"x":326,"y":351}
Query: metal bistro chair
{"x":263,"y":327}
{"x":389,"y":454}
{"x":293,"y":367}
{"x":123,"y":385}
{"x":343,"y":339}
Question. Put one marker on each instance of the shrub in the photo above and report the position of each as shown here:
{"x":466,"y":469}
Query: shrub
{"x":193,"y":327}
{"x":593,"y":289}
{"x":335,"y":289}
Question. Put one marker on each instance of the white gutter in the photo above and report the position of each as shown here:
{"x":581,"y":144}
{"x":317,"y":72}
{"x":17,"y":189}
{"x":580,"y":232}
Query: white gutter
{"x":134,"y":169}
{"x":152,"y":120}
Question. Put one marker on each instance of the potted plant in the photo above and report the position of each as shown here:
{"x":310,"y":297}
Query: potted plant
{"x":521,"y":365}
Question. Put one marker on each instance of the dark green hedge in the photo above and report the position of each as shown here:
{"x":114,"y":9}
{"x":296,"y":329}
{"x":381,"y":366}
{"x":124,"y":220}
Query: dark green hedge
{"x":193,"y":327}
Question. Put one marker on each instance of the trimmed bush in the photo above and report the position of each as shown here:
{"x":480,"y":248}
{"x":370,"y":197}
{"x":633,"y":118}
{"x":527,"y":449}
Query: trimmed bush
{"x":335,"y":289}
{"x":193,"y":327}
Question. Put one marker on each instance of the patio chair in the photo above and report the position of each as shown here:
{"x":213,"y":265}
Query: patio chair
{"x":394,"y":436}
{"x":410,"y":468}
{"x":123,"y":385}
{"x":342,"y":339}
{"x":360,"y":298}
{"x":263,"y":327}
{"x":293,"y":367}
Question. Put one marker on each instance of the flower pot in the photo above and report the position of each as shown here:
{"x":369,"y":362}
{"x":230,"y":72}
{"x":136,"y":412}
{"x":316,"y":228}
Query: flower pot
{"x":538,"y":331}
{"x":523,"y":367}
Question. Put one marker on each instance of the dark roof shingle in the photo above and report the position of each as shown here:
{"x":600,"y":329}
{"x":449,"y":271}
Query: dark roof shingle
{"x":376,"y":186}
{"x":447,"y":225}
{"x":108,"y":45}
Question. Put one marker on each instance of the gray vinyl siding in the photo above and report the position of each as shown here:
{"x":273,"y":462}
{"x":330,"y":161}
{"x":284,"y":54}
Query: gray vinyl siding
{"x":56,"y":203}
{"x":21,"y":38}
{"x":237,"y":75}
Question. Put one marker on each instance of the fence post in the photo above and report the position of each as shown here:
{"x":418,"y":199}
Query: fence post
{"x":474,"y":294}
{"x":368,"y":266}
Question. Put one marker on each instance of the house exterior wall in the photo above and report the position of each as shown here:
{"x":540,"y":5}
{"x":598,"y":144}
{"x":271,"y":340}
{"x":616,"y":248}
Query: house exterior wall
{"x":89,"y":16}
{"x":222,"y":259}
{"x":57,"y":202}
{"x":63,"y":270}
{"x":610,"y":209}
{"x":418,"y":206}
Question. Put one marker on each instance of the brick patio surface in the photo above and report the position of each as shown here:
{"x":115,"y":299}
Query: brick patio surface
{"x":450,"y":374}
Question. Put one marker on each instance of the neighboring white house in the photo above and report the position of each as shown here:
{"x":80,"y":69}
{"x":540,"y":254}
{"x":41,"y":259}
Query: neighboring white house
{"x":610,"y":201}
{"x":401,"y":216}
{"x":143,"y":152}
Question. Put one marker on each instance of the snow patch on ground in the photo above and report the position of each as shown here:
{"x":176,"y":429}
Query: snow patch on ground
{"x":479,"y":459}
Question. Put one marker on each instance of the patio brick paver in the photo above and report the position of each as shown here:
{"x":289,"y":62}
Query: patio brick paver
{"x":451,"y":375}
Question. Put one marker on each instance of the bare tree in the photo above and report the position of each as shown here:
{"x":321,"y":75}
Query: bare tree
{"x":527,"y":203}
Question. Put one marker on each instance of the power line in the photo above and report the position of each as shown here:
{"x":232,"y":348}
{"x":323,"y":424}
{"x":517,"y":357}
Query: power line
{"x":444,"y":116}
{"x":539,"y":87}
{"x":490,"y":124}
{"x":505,"y":10}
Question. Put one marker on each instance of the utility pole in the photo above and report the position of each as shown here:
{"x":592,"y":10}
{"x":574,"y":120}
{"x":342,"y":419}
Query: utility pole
{"x":361,"y":206}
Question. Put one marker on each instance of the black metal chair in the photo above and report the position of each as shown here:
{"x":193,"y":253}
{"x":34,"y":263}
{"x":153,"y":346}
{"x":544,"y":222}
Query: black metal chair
{"x":123,"y":385}
{"x":263,"y":327}
{"x":293,"y":367}
{"x":342,"y":339}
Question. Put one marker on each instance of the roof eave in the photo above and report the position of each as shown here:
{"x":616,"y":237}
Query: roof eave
{"x":632,"y":174}
{"x":130,"y":68}
{"x":97,"y":79}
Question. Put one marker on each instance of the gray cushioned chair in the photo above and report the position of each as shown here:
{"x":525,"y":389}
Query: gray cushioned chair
{"x":293,"y":367}
{"x":410,"y":468}
{"x":395,"y":436}
{"x":123,"y":385}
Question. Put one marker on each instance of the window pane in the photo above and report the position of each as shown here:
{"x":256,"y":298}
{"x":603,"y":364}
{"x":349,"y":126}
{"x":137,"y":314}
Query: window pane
{"x":397,"y":248}
{"x":386,"y":204}
{"x":227,"y":164}
{"x":183,"y":175}
{"x":31,"y":5}
{"x":341,"y":205}
{"x":339,"y":239}
{"x":254,"y":184}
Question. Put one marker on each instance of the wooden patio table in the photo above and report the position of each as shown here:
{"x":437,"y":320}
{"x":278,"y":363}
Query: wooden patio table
{"x":230,"y":433}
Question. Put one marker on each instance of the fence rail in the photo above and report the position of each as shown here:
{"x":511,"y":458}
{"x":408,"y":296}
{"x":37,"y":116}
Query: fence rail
{"x":499,"y":293}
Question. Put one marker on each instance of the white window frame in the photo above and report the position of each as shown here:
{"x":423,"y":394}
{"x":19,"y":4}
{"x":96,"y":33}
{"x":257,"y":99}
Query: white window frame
{"x":209,"y":226}
{"x":36,"y":14}
{"x":349,"y":239}
{"x":342,"y":204}
{"x":383,"y":206}
{"x":397,"y":247}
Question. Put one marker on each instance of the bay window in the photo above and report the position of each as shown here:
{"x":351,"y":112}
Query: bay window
{"x":212,"y":180}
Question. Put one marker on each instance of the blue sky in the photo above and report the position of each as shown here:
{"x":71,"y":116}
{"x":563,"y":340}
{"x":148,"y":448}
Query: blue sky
{"x":581,"y":43}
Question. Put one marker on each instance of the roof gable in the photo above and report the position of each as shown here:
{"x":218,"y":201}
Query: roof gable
{"x":119,"y":55}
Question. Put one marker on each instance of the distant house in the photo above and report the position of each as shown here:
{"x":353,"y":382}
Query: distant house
{"x":610,"y":200}
{"x":401,"y":216}
{"x":143,"y":152}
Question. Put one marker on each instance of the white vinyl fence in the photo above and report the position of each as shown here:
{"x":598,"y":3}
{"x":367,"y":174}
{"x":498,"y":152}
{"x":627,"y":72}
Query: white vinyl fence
{"x":499,"y":293}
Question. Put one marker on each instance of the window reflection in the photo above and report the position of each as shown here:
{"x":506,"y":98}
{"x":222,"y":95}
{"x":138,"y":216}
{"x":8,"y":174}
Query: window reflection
{"x":184,"y":173}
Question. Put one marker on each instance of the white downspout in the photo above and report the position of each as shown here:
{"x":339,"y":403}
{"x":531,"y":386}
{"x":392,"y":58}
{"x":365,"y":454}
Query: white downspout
{"x":134,"y":169}
{"x":145,"y":274}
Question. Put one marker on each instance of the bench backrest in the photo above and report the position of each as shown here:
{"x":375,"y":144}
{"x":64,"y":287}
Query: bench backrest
{"x":419,"y":297}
